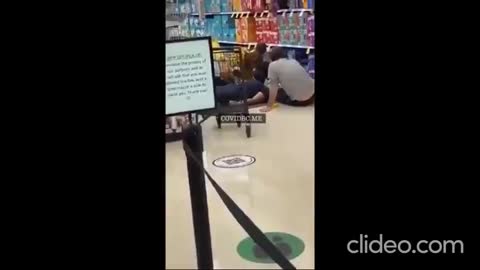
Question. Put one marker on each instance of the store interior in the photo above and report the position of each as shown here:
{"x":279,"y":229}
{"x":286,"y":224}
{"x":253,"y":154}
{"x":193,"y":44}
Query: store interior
{"x":277,"y":190}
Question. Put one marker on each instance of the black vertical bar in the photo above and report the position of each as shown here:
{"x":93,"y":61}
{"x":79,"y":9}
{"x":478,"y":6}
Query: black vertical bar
{"x":198,"y":197}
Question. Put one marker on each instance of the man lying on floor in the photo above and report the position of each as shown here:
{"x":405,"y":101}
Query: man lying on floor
{"x":233,"y":92}
{"x":255,"y":63}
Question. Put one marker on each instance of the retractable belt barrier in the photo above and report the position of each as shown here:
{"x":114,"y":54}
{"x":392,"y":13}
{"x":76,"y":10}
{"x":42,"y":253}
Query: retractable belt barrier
{"x":247,"y":224}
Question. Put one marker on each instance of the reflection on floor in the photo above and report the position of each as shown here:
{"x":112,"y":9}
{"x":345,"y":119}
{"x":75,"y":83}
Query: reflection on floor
{"x":276,"y":191}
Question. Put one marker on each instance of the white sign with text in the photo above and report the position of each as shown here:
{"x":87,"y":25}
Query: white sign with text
{"x":189,"y":78}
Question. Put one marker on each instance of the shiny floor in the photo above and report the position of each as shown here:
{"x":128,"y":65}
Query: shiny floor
{"x":276,"y":192}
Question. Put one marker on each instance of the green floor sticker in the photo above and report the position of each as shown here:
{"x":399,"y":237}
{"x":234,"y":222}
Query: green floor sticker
{"x":290,"y":246}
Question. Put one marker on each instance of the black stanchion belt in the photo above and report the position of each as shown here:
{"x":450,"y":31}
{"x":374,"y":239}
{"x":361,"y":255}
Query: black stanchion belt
{"x":247,"y":224}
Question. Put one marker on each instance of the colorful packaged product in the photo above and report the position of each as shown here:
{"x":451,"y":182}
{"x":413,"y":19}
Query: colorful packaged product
{"x":295,"y":4}
{"x":273,"y":37}
{"x":266,"y":37}
{"x":260,"y":36}
{"x":232,"y":35}
{"x":273,"y":6}
{"x":226,"y":5}
{"x":282,"y":21}
{"x":311,"y":4}
{"x":259,"y":5}
{"x":302,"y":20}
{"x":311,"y":39}
{"x":247,"y":5}
{"x":285,"y":37}
{"x":292,"y":20}
{"x":311,"y":23}
{"x":259,"y":24}
{"x":311,"y":65}
{"x":207,"y":4}
{"x":216,"y":6}
{"x":237,"y":5}
{"x":183,"y":6}
{"x":294,"y":37}
{"x":194,"y":6}
{"x":248,"y":31}
{"x":238,"y":31}
{"x":272,"y":24}
{"x":302,"y":37}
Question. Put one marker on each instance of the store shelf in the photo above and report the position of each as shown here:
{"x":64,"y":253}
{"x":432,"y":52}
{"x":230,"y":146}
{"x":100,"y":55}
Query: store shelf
{"x":273,"y":45}
{"x":220,"y":13}
{"x":295,"y":10}
{"x":280,"y":11}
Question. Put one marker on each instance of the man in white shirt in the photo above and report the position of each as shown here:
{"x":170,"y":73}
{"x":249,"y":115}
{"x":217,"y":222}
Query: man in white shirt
{"x":289,"y":82}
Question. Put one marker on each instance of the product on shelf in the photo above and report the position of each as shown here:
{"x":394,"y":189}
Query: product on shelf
{"x":303,"y":38}
{"x":237,"y":5}
{"x":311,"y":24}
{"x":284,"y":36}
{"x":247,"y":5}
{"x":198,"y":28}
{"x":300,"y":26}
{"x":311,"y":40}
{"x":311,"y":65}
{"x":289,"y":28}
{"x":311,"y":31}
{"x":296,"y":4}
{"x":226,"y":5}
{"x":302,"y":19}
{"x":228,"y":28}
{"x":194,"y":7}
{"x":238,"y":31}
{"x":260,"y":29}
{"x":246,"y":29}
{"x":191,"y":6}
{"x":183,"y":6}
{"x":258,"y":5}
{"x":212,"y":6}
{"x":291,"y":4}
{"x":274,"y":30}
{"x":267,"y":30}
{"x":214,"y":27}
{"x":282,"y":21}
{"x":273,"y":24}
{"x":311,"y":4}
{"x":274,"y":6}
{"x":183,"y":28}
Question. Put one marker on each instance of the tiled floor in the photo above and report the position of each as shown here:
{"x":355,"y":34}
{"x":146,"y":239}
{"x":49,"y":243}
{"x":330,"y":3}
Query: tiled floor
{"x":276,"y":192}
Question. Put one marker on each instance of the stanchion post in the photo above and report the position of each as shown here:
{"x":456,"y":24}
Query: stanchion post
{"x":198,"y":197}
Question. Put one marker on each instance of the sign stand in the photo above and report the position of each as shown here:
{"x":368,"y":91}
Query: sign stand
{"x":198,"y":196}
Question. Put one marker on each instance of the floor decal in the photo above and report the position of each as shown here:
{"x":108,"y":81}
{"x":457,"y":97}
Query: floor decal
{"x":290,"y":246}
{"x":234,"y":161}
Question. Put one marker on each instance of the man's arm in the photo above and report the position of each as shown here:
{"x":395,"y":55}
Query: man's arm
{"x":272,"y":95}
{"x":273,"y":87}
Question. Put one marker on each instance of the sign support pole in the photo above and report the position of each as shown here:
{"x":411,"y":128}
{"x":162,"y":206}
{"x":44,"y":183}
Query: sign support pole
{"x":198,"y":196}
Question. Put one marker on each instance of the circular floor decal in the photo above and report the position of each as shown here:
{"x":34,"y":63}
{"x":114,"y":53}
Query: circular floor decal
{"x":234,"y":161}
{"x":290,"y":246}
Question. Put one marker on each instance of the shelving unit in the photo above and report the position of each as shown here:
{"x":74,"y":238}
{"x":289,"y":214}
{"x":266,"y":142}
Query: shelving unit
{"x":223,"y":39}
{"x":271,"y":45}
{"x":263,"y":13}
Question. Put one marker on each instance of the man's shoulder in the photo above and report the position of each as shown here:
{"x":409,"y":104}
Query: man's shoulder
{"x":274,"y":65}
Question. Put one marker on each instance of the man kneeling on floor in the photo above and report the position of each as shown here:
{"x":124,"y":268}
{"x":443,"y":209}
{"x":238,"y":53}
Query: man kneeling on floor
{"x":289,"y":83}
